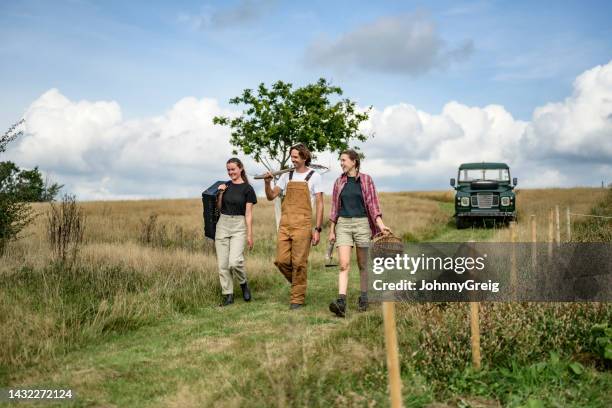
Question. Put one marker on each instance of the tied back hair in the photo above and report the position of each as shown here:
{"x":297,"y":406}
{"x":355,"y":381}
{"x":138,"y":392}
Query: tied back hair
{"x":354,"y":156}
{"x":238,"y":163}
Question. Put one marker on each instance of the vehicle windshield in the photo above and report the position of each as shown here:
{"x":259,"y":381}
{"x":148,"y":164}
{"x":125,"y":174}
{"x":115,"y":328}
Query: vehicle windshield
{"x":468,"y":175}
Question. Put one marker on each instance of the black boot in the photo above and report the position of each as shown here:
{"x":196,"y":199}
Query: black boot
{"x":363,"y":303}
{"x":227,"y":300}
{"x":338,"y":307}
{"x":246,"y":292}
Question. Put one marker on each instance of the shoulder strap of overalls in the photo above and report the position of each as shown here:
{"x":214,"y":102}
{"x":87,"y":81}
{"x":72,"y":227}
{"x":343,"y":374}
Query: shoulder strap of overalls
{"x":309,"y":175}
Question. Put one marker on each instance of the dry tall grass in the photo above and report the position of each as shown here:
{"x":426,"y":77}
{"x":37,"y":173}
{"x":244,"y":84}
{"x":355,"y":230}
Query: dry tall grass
{"x":119,"y":283}
{"x":118,"y":225}
{"x":538,"y":202}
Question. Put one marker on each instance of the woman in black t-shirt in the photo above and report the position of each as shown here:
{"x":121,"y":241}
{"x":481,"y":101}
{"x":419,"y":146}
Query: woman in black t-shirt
{"x":235,"y":201}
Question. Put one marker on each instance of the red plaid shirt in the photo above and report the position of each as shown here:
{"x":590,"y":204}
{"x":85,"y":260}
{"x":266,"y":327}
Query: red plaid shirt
{"x":370,"y":199}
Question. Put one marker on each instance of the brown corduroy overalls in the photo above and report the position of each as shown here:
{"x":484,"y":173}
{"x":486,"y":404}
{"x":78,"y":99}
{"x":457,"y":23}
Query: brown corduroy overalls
{"x":294,"y":236}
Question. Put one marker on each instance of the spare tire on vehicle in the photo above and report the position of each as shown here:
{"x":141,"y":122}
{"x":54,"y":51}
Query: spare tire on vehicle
{"x":484,"y":185}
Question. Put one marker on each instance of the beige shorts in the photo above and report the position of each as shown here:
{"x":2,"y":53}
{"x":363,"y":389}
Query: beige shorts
{"x":353,"y":232}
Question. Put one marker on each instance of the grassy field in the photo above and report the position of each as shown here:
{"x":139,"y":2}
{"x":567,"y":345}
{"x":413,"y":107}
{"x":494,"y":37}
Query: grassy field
{"x":133,"y":320}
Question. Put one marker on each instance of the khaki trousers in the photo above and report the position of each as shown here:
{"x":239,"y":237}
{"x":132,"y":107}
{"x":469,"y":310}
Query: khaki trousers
{"x":230,"y":240}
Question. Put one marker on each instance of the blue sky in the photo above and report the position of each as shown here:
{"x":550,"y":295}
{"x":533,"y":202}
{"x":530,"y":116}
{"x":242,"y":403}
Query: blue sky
{"x":147,"y":56}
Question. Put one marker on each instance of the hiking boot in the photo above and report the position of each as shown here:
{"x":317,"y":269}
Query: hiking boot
{"x":227,"y":300}
{"x":362,"y":304}
{"x":246,"y":292}
{"x":295,"y":306}
{"x":338,"y":307}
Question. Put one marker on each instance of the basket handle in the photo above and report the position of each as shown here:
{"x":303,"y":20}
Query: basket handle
{"x":382,"y":234}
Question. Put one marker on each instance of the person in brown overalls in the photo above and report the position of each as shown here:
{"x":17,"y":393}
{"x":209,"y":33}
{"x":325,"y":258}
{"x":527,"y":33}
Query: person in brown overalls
{"x":300,"y":187}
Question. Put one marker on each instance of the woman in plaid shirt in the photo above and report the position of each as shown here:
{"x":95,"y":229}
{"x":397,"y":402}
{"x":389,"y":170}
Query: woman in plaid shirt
{"x":355,"y":218}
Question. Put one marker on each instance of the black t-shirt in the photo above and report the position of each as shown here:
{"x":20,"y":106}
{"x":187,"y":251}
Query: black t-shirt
{"x":236,"y":197}
{"x":351,"y":200}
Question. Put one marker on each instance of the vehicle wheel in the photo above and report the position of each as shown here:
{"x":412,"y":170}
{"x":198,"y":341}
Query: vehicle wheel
{"x":461,"y":223}
{"x":505,"y":222}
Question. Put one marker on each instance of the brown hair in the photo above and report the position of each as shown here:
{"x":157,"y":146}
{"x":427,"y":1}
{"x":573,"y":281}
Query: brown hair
{"x":303,"y":152}
{"x":238,"y":163}
{"x":354,"y":156}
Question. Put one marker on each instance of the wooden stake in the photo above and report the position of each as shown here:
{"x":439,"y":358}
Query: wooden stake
{"x":569,"y":225}
{"x":475,"y":334}
{"x":474,"y":322}
{"x":513,"y":277}
{"x":393,"y":366}
{"x":534,"y":249}
{"x":557,"y":226}
{"x":550,"y":233}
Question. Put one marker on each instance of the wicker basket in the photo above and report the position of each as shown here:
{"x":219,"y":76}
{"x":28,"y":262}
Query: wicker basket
{"x":386,"y":246}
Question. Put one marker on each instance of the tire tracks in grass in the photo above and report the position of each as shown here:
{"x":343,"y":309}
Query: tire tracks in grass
{"x":449,"y":233}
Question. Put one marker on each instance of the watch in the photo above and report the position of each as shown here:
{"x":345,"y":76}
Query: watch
{"x":318,"y":229}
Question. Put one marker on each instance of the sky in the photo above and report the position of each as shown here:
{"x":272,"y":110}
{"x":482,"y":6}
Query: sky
{"x":118,"y":97}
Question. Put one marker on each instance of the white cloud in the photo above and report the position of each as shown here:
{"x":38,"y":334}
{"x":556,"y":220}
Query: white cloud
{"x":578,"y":128}
{"x":546,"y":177}
{"x":426,"y":148}
{"x":243,"y":13}
{"x":88,"y":146}
{"x":99,"y":155}
{"x":405,"y":44}
{"x":60,"y":132}
{"x":565,"y":144}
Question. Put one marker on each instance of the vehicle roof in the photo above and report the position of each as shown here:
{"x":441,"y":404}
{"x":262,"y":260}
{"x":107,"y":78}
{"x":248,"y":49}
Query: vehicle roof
{"x":483,"y":165}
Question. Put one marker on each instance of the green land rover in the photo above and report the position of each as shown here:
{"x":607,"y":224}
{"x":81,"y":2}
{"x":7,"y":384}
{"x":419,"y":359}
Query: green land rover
{"x":484,"y":192}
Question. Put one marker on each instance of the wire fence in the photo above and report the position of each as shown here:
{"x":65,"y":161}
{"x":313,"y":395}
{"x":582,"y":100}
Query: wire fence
{"x":590,"y":215}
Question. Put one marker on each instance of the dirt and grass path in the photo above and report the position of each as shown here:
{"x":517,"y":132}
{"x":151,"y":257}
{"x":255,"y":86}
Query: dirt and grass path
{"x":199,"y":359}
{"x":261,"y":354}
